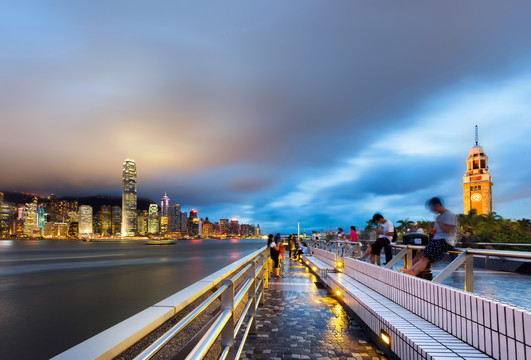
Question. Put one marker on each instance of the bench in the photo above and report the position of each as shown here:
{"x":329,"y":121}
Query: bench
{"x":426,"y":341}
{"x":317,"y":266}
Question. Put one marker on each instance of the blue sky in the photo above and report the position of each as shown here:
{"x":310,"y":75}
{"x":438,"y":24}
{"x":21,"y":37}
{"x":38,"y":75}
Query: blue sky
{"x":273,"y":112}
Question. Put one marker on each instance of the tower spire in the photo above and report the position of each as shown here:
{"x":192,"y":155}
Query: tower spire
{"x":477,"y":140}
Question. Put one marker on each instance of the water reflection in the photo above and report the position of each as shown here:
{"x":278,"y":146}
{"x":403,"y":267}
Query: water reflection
{"x":68,"y":291}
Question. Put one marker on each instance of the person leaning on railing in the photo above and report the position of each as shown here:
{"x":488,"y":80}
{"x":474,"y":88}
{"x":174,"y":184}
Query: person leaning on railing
{"x":275,"y":254}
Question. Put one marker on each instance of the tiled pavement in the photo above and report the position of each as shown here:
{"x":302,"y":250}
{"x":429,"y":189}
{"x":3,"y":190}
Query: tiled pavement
{"x":299,"y":320}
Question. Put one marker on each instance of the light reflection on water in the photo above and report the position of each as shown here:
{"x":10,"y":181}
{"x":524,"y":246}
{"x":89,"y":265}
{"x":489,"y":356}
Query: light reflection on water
{"x":68,"y":291}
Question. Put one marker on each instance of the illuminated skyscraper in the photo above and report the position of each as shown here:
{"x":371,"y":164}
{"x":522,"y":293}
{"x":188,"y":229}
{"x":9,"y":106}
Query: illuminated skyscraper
{"x":143,"y":216}
{"x":234,"y":228}
{"x":5,"y":217}
{"x":183,"y":224}
{"x":116,"y":226}
{"x":85,"y":221}
{"x":153,"y":219}
{"x":224,"y":226}
{"x":105,"y":220}
{"x":30,"y":217}
{"x":129,"y":222}
{"x":174,"y":218}
{"x":164,"y":204}
{"x":193,"y":224}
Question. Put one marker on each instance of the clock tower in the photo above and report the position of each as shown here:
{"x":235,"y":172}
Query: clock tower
{"x":477,"y":182}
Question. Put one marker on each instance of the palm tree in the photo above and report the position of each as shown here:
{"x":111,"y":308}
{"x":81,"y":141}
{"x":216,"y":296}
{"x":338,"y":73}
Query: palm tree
{"x":403,"y":224}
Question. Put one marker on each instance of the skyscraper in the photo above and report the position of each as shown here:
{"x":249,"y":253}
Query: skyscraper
{"x":129,"y":222}
{"x":477,"y":182}
{"x":153,"y":219}
{"x":174,"y":218}
{"x":116,"y":226}
{"x":85,"y":221}
{"x":164,"y":204}
{"x":105,"y":220}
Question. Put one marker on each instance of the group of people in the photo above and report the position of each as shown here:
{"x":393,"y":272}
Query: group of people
{"x":277,"y":252}
{"x":444,"y":237}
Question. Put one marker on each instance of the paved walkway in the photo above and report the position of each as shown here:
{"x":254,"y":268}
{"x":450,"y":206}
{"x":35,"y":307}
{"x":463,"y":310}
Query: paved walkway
{"x":299,"y":320}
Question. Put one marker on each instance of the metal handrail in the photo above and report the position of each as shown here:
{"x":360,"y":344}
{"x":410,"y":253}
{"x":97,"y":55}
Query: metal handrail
{"x":486,"y":252}
{"x":230,"y":300}
{"x":466,"y":257}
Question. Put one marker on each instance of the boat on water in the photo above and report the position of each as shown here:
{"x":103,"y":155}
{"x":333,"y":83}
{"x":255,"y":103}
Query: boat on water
{"x":161,"y":242}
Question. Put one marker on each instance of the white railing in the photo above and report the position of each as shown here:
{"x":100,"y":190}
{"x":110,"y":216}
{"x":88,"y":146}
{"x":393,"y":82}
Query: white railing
{"x":253,"y":277}
{"x":466,"y":256}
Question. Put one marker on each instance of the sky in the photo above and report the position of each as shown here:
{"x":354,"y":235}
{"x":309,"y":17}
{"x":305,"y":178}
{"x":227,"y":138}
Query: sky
{"x":274,"y":112}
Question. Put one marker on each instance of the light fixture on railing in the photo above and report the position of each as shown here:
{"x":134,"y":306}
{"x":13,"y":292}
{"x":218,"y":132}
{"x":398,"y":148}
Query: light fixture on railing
{"x":314,"y":268}
{"x":338,"y":292}
{"x":339,"y":264}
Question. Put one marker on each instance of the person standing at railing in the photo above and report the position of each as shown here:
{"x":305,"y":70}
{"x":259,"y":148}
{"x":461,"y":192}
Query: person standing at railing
{"x":340,"y":234}
{"x":385,"y":233}
{"x":444,"y":237}
{"x":281,"y":257}
{"x":353,"y":236}
{"x":274,"y":252}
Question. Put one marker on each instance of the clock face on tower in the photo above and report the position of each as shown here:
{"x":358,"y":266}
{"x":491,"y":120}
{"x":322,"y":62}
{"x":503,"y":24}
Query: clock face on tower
{"x":476,"y":197}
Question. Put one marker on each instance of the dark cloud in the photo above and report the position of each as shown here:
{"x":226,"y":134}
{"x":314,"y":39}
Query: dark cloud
{"x":238,"y":102}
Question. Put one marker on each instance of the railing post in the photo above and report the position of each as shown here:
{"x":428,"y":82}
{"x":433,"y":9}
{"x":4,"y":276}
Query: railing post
{"x":409,"y":259}
{"x":262,"y":286}
{"x":227,"y":334}
{"x":252,"y":298}
{"x":469,"y":273}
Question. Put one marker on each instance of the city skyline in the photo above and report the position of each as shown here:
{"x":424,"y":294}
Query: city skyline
{"x":273,"y":113}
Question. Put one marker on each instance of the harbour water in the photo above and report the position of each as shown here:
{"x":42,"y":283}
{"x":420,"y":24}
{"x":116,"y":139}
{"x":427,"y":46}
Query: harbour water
{"x":55,"y":294}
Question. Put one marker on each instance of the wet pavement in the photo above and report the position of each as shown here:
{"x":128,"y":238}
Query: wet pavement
{"x":301,"y":320}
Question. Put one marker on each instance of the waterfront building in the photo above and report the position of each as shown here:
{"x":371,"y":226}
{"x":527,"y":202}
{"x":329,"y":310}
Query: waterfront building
{"x":105,"y":220}
{"x":129,"y":198}
{"x":258,"y":232}
{"x":30,"y":217}
{"x":234,"y":228}
{"x":193,"y":224}
{"x":73,"y":229}
{"x":48,"y":230}
{"x":5,"y":217}
{"x":163,"y":225}
{"x":153,"y":219}
{"x":73,"y":216}
{"x":184,"y":223}
{"x":116,"y":222}
{"x":224,"y":226}
{"x":85,"y":221}
{"x":96,"y":223}
{"x":143,"y":216}
{"x":477,"y":182}
{"x":174,"y":218}
{"x":164,"y":205}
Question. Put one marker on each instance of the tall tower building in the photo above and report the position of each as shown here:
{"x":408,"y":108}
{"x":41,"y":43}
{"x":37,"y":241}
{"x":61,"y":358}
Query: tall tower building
{"x":105,"y":220}
{"x":477,"y":182}
{"x":116,"y":225}
{"x":129,"y":222}
{"x":164,"y":204}
{"x":85,"y":221}
{"x":153,"y":219}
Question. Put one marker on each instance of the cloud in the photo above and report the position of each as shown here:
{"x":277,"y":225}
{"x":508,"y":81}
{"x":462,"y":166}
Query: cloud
{"x":281,"y":106}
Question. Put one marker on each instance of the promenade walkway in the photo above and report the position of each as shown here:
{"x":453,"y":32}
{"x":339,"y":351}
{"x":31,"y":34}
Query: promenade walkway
{"x":300,"y":320}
